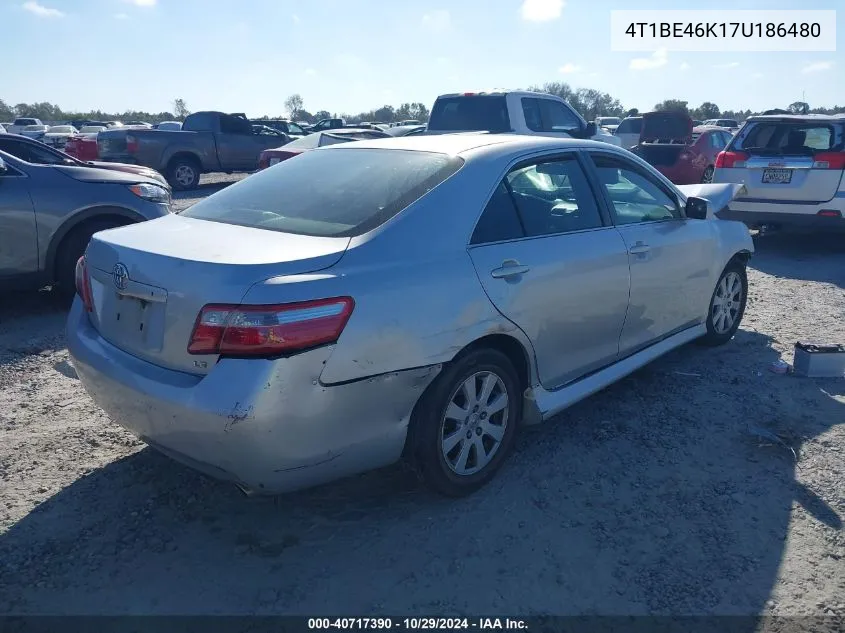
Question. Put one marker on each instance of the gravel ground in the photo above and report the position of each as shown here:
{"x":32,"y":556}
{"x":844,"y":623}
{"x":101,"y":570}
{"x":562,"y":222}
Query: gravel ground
{"x":651,"y":497}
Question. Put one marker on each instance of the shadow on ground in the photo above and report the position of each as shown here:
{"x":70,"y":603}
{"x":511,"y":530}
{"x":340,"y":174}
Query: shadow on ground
{"x":650,"y":497}
{"x":795,"y":255}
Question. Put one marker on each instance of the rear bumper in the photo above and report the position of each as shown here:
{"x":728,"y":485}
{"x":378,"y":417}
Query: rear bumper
{"x":804,"y":221}
{"x":270,"y":426}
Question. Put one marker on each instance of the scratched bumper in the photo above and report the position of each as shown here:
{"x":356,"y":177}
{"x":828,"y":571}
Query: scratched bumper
{"x":270,"y":426}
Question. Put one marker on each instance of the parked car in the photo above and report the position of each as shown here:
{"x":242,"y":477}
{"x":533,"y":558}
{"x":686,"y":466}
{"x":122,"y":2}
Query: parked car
{"x":82,"y":123}
{"x":793,"y":168}
{"x":405,"y":130}
{"x":207,"y":142}
{"x":399,"y":297}
{"x":293,"y":130}
{"x":35,"y":131}
{"x":728,"y":124}
{"x":58,"y":135}
{"x":266,"y":130}
{"x":168,"y":125}
{"x":83,"y":146}
{"x":609,"y":123}
{"x":517,"y":111}
{"x":327,"y":124}
{"x":270,"y":157}
{"x":48,"y":213}
{"x":37,"y":153}
{"x":628,"y":131}
{"x":684,"y":154}
{"x":21,"y":123}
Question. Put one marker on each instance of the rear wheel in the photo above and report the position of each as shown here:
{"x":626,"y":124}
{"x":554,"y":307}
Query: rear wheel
{"x":183,"y":174}
{"x":73,"y":247}
{"x":727,"y":305}
{"x":464,"y":426}
{"x":708,"y":174}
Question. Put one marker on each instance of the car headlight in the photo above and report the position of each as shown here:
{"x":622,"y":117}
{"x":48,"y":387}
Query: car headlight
{"x":153,"y":193}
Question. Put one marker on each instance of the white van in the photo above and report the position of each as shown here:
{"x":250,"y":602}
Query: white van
{"x":511,"y":111}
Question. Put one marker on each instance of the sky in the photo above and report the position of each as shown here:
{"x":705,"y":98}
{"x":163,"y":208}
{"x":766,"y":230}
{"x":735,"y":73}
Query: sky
{"x":249,"y":56}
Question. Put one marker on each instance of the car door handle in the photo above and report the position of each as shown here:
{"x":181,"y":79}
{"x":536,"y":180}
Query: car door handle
{"x":509,"y":268}
{"x":639,"y":249}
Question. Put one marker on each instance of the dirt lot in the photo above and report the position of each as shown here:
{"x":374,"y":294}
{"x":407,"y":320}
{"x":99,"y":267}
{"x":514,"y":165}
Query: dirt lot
{"x":651,"y":497}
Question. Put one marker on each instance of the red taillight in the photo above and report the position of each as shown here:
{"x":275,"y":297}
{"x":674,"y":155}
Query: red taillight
{"x":83,"y":284}
{"x":731,"y":159}
{"x":829,"y":160}
{"x":268,"y":330}
{"x":830,"y":213}
{"x":131,"y":143}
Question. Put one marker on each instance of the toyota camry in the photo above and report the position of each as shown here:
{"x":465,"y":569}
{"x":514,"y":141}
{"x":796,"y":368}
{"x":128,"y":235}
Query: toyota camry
{"x":418,"y":298}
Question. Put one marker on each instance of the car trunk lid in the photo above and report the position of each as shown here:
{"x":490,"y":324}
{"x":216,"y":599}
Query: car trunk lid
{"x":150,"y":280}
{"x":664,"y":137}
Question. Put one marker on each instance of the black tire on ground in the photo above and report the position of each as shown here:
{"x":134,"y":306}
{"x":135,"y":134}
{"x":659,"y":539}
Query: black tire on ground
{"x":428,"y":425}
{"x":729,"y":297}
{"x":708,"y":174}
{"x":183,"y":174}
{"x":71,"y":248}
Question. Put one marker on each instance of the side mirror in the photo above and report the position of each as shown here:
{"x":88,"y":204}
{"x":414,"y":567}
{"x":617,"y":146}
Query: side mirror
{"x":696,"y":208}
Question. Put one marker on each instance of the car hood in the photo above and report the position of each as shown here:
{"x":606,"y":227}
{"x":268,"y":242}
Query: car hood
{"x":718,"y":195}
{"x":666,"y":126}
{"x":137,"y":170}
{"x":95,"y":174}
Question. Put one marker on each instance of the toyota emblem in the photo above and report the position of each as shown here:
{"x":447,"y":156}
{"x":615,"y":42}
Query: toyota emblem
{"x":120,"y":275}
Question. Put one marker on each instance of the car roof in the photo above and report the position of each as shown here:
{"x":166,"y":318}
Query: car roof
{"x":838,"y":118}
{"x":463,"y":143}
{"x":496,"y":92}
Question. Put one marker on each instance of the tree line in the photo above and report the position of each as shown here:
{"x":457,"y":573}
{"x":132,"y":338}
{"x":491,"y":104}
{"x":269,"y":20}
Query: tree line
{"x":589,"y":102}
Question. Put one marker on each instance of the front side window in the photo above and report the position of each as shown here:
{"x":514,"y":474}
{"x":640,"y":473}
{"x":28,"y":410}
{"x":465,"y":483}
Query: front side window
{"x":634,"y":197}
{"x":553,"y":197}
{"x":557,"y":117}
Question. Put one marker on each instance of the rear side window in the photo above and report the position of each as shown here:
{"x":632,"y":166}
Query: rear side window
{"x":788,"y":137}
{"x":199,"y":122}
{"x":499,"y":221}
{"x":471,"y":113}
{"x":336,"y":192}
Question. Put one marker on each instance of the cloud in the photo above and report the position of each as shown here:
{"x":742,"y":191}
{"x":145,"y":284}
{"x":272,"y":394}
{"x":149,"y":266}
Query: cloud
{"x":542,"y":10}
{"x":817,"y":67}
{"x":142,"y":3}
{"x":569,"y":69}
{"x":657,"y":59}
{"x":728,"y":65}
{"x":438,"y":21}
{"x":121,"y":16}
{"x":41,"y":11}
{"x":684,"y":66}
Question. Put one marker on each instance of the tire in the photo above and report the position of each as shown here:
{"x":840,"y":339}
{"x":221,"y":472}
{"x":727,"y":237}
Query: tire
{"x":707,"y":177}
{"x":719,"y":331}
{"x":439,"y":466}
{"x":183,"y":174}
{"x":71,"y":248}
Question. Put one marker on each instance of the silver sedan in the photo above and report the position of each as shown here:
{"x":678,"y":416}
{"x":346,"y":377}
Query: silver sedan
{"x":417,"y":298}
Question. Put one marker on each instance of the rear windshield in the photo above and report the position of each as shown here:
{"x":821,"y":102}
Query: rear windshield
{"x":474,"y":113}
{"x":340,"y":192}
{"x":788,"y":137}
{"x":630,"y":126}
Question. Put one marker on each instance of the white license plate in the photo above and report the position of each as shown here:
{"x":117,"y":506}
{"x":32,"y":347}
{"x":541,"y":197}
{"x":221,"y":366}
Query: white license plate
{"x":777,"y":176}
{"x":273,"y":161}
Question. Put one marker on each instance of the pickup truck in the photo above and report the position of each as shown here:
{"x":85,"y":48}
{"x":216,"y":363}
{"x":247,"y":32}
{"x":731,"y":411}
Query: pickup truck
{"x":511,"y":112}
{"x":208,"y":142}
{"x":20,"y":124}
